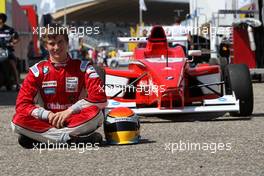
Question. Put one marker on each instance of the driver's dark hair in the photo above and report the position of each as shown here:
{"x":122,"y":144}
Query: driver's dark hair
{"x":52,"y":31}
{"x":3,"y":17}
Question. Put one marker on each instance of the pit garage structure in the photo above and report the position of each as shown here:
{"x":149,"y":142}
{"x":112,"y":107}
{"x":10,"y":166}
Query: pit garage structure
{"x":158,"y":11}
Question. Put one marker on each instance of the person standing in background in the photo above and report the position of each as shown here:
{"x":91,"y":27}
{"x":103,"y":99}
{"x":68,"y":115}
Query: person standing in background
{"x":10,"y":38}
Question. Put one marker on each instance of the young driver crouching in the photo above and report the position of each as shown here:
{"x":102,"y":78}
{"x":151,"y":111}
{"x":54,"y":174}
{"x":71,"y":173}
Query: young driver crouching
{"x":61,"y":99}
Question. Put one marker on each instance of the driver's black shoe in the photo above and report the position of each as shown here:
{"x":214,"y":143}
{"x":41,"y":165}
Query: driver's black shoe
{"x":93,"y":138}
{"x":27,"y":142}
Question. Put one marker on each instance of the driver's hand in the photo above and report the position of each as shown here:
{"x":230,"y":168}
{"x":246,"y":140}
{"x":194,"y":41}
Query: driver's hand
{"x":57,"y":120}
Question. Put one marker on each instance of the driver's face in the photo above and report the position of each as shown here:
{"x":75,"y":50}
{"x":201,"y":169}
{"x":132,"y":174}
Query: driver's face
{"x":57,"y":48}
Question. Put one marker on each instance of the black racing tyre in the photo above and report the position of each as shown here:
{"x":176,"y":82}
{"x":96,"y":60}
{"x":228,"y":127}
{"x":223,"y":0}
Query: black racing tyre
{"x":237,"y":79}
{"x":101,"y":72}
{"x":114,"y":64}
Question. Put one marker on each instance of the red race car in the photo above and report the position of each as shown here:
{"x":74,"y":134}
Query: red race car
{"x":162,"y":80}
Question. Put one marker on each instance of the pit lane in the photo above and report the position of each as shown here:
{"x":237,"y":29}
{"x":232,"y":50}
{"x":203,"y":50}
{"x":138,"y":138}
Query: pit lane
{"x":158,"y":154}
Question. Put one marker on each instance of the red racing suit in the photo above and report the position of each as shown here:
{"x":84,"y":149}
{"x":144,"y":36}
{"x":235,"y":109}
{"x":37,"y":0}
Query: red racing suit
{"x":55,"y":87}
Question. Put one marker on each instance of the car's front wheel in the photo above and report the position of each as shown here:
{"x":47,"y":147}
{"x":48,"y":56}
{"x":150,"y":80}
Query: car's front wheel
{"x":238,"y":80}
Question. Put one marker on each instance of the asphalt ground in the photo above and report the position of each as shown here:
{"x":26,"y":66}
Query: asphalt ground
{"x":171,"y":145}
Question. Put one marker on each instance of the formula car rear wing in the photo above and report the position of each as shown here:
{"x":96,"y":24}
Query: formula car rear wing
{"x":145,"y":39}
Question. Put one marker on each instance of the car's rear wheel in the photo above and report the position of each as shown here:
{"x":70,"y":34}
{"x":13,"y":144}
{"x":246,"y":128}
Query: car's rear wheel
{"x":238,"y":80}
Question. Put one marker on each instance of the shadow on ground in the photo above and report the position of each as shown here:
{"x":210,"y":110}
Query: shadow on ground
{"x":203,"y":117}
{"x":142,"y":141}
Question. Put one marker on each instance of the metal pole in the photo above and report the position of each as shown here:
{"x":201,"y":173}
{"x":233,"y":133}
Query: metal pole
{"x":140,"y":16}
{"x":140,"y":19}
{"x":65,"y":16}
{"x":196,"y":18}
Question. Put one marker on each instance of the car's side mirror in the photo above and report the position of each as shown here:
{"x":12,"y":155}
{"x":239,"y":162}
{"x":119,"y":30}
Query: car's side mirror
{"x":194,"y":52}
